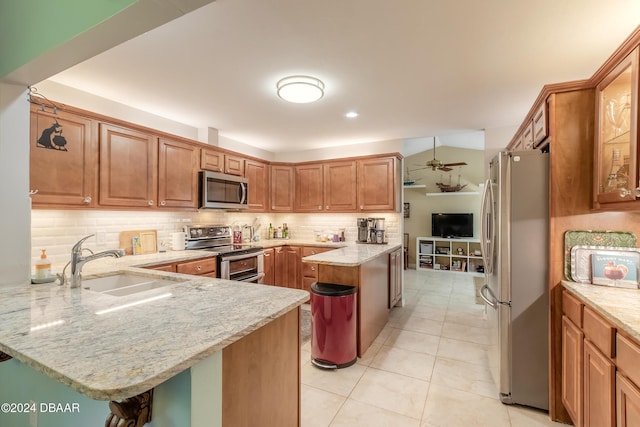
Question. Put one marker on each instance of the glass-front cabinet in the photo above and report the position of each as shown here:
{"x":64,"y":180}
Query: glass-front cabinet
{"x":616,"y":154}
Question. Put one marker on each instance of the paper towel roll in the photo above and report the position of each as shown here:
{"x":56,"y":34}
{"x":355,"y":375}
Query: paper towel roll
{"x":178,"y":241}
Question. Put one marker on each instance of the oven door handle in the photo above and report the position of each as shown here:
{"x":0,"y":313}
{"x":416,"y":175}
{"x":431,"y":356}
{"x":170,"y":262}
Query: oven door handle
{"x":241,"y":256}
{"x":255,"y":278}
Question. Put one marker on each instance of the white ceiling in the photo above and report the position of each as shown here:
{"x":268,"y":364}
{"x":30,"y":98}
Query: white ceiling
{"x":411,"y":68}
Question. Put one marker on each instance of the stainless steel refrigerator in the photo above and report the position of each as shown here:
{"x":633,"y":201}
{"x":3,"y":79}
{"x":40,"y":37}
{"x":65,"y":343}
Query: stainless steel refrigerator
{"x":515,"y":243}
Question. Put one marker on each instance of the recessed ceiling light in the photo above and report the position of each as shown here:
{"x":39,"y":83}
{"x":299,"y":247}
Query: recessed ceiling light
{"x":351,"y":114}
{"x":300,"y":89}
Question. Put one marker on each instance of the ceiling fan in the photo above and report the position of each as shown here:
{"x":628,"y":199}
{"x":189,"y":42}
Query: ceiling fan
{"x":436,"y":164}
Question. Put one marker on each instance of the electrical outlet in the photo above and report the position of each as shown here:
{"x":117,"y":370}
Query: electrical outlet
{"x":101,"y":237}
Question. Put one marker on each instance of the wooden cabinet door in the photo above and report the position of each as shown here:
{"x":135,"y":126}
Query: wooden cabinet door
{"x":572,"y":375}
{"x":269,"y":267}
{"x":616,"y":132}
{"x":282,"y":188}
{"x":177,"y":174}
{"x":293,"y":276}
{"x":627,"y":402}
{"x":128,"y":167}
{"x":211,"y":160}
{"x":540,"y":129}
{"x":376,"y":184}
{"x":527,"y":137}
{"x":233,"y":165}
{"x":258,"y":175}
{"x":599,"y":388}
{"x":279,"y":267}
{"x":309,"y":188}
{"x":395,"y":277}
{"x":63,"y":160}
{"x":340,"y":186}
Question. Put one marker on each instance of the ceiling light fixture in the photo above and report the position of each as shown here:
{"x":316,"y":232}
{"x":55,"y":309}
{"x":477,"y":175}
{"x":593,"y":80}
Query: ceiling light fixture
{"x":351,"y":114}
{"x":300,"y":89}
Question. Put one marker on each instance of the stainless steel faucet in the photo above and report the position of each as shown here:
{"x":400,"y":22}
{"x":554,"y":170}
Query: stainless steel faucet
{"x":78,"y":261}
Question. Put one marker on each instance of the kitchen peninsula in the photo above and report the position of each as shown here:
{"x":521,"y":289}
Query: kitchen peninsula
{"x":215,"y":352}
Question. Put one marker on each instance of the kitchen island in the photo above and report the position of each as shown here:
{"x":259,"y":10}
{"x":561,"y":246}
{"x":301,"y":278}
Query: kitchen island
{"x":367,"y":267}
{"x":216,"y":352}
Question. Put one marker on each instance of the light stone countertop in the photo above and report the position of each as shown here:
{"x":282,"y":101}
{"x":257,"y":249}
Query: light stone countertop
{"x":348,"y":254}
{"x":60,"y":332}
{"x":619,"y":305}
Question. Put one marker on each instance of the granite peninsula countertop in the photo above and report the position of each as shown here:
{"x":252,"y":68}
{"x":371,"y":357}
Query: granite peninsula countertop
{"x":148,"y":338}
{"x":619,"y":305}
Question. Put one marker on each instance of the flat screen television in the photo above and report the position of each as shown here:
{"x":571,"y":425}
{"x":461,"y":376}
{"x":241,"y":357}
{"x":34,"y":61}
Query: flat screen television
{"x":452,"y":224}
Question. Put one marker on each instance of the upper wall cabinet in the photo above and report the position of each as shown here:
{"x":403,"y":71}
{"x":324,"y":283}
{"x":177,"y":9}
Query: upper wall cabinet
{"x":217,"y":161}
{"x":616,"y":152}
{"x":177,"y":174}
{"x":282,"y":188}
{"x":63,"y":160}
{"x":326,"y":187}
{"x":258,"y":175}
{"x":534,"y":130}
{"x":376,"y":184}
{"x":128,"y":167}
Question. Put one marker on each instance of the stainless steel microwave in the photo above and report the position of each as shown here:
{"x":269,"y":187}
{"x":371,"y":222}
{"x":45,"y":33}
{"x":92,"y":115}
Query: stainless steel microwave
{"x":222,"y":191}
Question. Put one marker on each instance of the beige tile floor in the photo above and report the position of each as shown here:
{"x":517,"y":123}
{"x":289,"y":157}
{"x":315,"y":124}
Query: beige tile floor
{"x":428,"y":367}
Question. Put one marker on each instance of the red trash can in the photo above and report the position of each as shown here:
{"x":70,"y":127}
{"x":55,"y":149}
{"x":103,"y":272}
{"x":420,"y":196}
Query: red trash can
{"x":333,"y":325}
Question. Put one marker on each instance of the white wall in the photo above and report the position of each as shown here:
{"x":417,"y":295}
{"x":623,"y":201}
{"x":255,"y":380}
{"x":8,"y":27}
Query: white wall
{"x":14,"y":185}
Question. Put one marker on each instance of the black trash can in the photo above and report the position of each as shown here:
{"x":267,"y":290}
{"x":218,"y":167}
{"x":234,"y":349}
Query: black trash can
{"x":333,"y":325}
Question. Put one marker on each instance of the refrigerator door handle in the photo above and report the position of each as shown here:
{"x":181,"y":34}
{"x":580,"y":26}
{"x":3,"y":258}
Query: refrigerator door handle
{"x":487,"y":227}
{"x":493,"y":304}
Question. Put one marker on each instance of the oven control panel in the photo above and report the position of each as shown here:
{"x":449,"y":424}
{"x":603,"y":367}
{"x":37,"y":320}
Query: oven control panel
{"x":195,"y":232}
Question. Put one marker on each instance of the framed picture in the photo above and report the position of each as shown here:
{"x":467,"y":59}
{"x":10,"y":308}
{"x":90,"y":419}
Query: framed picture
{"x":407,"y":210}
{"x":619,"y":269}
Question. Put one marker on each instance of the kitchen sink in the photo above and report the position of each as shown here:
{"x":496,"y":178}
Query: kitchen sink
{"x":125,"y":283}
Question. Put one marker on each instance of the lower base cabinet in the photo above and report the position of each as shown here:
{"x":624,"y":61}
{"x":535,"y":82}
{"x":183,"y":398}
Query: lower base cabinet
{"x":261,"y":376}
{"x":627,"y":402}
{"x":600,"y":369}
{"x":572,"y":351}
{"x":599,"y":387}
{"x":199,"y":267}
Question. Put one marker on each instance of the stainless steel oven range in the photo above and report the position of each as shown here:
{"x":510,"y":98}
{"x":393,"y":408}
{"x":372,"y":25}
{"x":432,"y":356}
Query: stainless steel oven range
{"x":241,"y":262}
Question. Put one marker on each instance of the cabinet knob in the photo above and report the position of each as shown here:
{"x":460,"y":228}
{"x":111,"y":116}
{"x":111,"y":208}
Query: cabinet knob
{"x":198,"y":267}
{"x":87,"y":199}
{"x":319,"y":208}
{"x":313,"y":268}
{"x":327,"y":207}
{"x":32,"y":192}
{"x":361,"y":207}
{"x":163,"y":203}
{"x":150,"y":202}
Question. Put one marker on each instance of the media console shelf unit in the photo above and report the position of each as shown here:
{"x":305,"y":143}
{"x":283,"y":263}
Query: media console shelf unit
{"x":452,"y":255}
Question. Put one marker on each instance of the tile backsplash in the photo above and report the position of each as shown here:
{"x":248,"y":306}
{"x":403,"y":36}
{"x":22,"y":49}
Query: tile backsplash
{"x":58,"y":230}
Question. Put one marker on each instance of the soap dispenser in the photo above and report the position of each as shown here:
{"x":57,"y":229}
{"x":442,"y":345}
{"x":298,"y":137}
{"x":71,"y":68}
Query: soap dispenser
{"x":43,"y":266}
